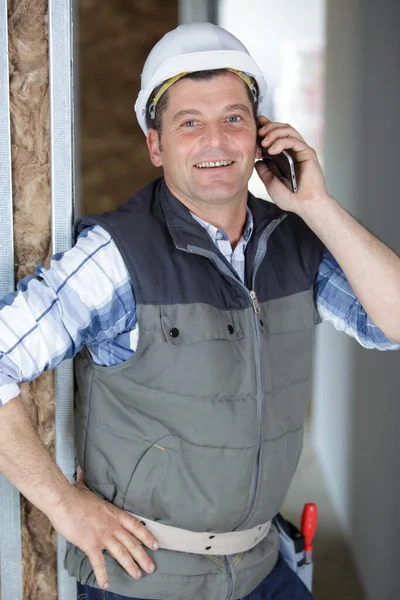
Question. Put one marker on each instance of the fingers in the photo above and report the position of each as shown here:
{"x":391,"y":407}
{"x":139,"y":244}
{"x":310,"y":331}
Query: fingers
{"x":278,"y":130}
{"x":139,"y":530}
{"x":80,"y":476}
{"x":136,"y":550}
{"x":281,"y":134}
{"x":125,"y":546}
{"x":278,"y":133}
{"x":264,"y":172}
{"x":271,"y":178}
{"x":99,"y":567}
{"x":280,"y":137}
{"x":300,"y":149}
{"x":271,"y":132}
{"x":123,"y":556}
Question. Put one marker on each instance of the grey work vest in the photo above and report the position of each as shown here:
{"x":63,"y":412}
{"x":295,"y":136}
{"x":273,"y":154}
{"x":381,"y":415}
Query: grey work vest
{"x":202,"y":427}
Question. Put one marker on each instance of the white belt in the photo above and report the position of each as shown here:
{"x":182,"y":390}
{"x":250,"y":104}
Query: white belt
{"x":183,"y":540}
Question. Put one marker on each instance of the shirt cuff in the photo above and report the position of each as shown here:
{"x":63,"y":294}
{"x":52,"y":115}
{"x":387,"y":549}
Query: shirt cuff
{"x":8,"y":392}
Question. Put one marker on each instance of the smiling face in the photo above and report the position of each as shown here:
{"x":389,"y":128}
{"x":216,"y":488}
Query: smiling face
{"x":208,"y":141}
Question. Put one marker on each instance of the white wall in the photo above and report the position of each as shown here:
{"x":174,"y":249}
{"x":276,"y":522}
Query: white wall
{"x":269,"y":29}
{"x":356,"y":417}
{"x":265,"y":25}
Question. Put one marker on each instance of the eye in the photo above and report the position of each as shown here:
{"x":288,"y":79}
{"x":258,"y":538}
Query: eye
{"x":189,"y":123}
{"x":234,"y":118}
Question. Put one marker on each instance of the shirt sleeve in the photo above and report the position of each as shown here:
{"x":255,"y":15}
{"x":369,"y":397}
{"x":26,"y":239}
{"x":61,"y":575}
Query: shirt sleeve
{"x":84,"y":297}
{"x":337,"y":303}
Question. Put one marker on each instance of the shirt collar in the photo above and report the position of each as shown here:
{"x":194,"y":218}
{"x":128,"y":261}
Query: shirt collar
{"x":217,"y":234}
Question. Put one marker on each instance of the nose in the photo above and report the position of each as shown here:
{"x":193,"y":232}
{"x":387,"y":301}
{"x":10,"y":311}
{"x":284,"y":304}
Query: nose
{"x":214,"y":135}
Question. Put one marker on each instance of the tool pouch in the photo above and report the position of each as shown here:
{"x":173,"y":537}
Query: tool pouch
{"x":291,"y":546}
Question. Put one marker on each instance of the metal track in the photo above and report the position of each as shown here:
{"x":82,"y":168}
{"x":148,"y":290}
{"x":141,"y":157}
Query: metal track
{"x":62,"y":201}
{"x":10,"y":534}
{"x":197,"y":10}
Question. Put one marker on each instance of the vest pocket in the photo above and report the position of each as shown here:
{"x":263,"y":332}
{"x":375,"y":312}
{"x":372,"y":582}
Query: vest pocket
{"x":192,"y":323}
{"x":200,"y":351}
{"x":192,"y":487}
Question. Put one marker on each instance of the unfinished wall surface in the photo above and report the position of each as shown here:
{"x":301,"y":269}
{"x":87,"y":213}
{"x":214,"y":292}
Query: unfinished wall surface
{"x":115,"y":37}
{"x":30,"y":162}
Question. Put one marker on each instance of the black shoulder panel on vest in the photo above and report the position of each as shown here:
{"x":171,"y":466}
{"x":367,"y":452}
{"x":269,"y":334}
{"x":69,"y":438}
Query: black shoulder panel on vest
{"x":153,"y":229}
{"x":293,"y":257}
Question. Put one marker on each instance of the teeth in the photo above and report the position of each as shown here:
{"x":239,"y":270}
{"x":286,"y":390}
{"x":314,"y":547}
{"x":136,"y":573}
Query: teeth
{"x":218,"y":163}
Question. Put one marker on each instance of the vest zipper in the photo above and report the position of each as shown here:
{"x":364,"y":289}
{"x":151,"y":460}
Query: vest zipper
{"x":225,"y":268}
{"x":230,"y":579}
{"x":260,"y":254}
{"x":254,"y":299}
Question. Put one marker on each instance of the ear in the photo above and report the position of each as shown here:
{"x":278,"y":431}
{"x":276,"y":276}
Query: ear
{"x":153,"y":144}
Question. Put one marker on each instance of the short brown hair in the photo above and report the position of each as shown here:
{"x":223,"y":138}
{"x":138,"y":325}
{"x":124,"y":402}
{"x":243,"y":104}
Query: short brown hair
{"x":162,"y":104}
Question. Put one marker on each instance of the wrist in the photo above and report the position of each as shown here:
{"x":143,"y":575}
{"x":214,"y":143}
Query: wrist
{"x":309,"y":210}
{"x":60,"y":497}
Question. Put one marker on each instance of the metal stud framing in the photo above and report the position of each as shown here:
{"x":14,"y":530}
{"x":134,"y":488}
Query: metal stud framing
{"x":198,"y":10}
{"x":62,"y":173}
{"x":62,"y":202}
{"x":10,"y":516}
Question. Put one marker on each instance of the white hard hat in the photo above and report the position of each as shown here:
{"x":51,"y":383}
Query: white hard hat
{"x":195,"y":47}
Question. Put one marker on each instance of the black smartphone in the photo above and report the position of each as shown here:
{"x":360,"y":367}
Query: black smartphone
{"x":284,"y":163}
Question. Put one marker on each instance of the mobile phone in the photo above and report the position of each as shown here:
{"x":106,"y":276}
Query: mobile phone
{"x":284,"y":163}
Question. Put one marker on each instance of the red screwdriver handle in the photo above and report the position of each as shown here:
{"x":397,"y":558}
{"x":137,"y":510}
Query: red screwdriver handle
{"x":309,"y":520}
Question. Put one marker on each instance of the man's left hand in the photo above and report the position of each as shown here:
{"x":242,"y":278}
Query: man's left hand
{"x":310,"y":181}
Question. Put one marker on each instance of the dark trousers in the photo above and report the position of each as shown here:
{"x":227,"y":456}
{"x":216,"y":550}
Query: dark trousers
{"x":281,"y":584}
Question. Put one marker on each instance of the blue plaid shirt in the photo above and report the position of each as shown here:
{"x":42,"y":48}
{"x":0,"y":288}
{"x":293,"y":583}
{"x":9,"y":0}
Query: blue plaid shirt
{"x":86,"y":298}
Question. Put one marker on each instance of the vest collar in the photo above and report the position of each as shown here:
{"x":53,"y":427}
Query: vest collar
{"x":186,"y":231}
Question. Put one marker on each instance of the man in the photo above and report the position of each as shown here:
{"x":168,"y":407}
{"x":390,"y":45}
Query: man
{"x":192,"y":308}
